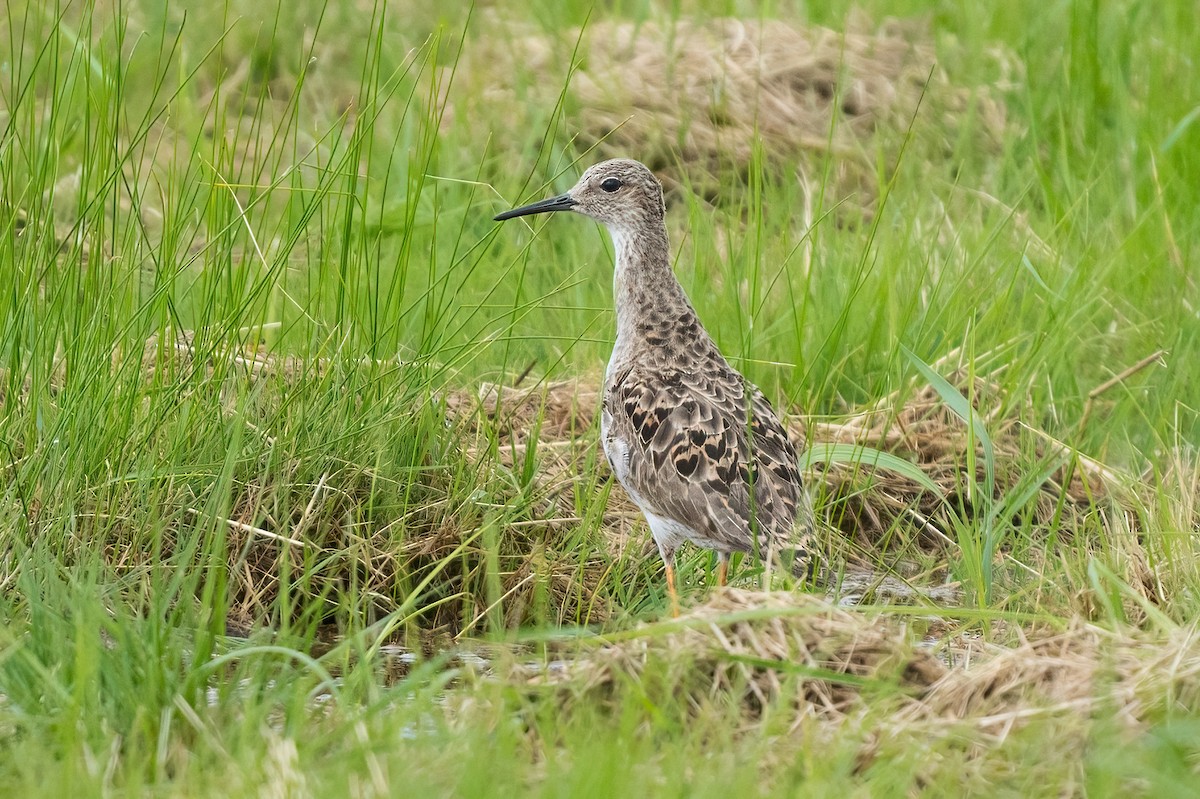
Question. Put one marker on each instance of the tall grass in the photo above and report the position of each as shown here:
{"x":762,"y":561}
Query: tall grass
{"x":305,"y":191}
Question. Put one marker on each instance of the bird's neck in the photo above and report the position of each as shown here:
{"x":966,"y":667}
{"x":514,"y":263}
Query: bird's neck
{"x":651,"y":305}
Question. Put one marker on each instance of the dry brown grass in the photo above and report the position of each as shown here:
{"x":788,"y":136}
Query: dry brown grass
{"x":800,"y":636}
{"x":703,"y":99}
{"x":831,"y":664}
{"x":921,"y":428}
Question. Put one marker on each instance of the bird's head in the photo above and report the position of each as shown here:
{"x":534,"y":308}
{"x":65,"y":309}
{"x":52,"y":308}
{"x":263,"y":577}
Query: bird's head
{"x":620,"y":193}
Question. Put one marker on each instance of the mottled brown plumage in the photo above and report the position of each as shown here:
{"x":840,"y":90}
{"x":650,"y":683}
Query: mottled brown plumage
{"x":698,"y":448}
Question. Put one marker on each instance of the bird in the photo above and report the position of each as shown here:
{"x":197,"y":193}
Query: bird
{"x":697,"y":447}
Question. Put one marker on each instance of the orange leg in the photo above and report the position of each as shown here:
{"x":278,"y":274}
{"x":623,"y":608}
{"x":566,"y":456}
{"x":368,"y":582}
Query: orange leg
{"x":671,"y":590}
{"x":722,"y":569}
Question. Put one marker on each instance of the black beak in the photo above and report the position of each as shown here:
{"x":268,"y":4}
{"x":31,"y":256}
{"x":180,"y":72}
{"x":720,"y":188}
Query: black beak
{"x":562,"y":202}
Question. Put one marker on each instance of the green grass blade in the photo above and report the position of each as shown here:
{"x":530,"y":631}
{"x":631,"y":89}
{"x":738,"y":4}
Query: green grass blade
{"x":963,"y":409}
{"x":861,"y":455}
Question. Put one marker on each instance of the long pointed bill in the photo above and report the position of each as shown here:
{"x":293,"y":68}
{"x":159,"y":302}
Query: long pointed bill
{"x":562,"y":202}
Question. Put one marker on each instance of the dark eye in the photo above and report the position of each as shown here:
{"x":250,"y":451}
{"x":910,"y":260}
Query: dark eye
{"x":610,"y":184}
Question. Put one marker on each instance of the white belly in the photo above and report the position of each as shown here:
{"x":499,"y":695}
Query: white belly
{"x":668,"y":533}
{"x":617,"y":452}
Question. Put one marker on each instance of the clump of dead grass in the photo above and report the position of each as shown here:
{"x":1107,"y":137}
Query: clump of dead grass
{"x":919,"y":426}
{"x":703,"y":98}
{"x":759,"y":646}
{"x":827,"y":663}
